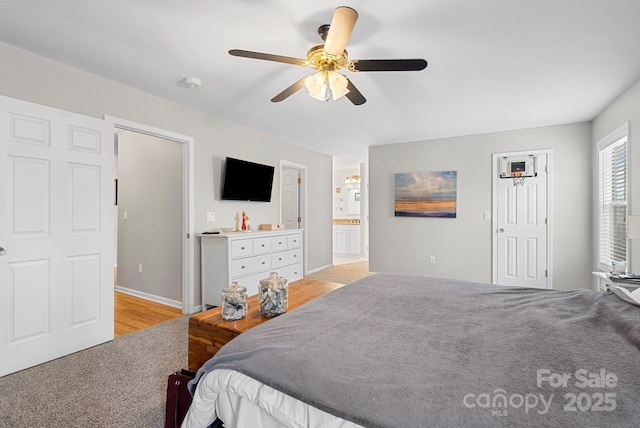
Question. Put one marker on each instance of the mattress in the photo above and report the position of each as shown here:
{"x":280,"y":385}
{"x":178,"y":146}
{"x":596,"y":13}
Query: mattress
{"x":241,"y":401}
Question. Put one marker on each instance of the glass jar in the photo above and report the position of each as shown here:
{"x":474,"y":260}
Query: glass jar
{"x":272,"y":294}
{"x":234,"y":302}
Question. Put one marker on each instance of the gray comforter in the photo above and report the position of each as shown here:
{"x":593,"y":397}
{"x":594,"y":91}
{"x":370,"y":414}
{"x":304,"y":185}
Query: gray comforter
{"x":401,"y":351}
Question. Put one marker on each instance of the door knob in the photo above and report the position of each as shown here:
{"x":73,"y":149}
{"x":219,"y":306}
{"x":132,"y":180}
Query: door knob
{"x":501,"y":230}
{"x":2,"y":251}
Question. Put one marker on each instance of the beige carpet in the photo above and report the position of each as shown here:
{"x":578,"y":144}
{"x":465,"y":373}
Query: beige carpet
{"x":122,"y":383}
{"x":342,"y":274}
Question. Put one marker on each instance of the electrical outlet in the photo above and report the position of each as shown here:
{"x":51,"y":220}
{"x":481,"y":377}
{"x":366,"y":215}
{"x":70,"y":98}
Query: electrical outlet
{"x":140,"y":268}
{"x":211,"y":216}
{"x":432,"y":259}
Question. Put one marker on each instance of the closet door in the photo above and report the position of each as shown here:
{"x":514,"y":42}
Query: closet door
{"x":522,"y":236}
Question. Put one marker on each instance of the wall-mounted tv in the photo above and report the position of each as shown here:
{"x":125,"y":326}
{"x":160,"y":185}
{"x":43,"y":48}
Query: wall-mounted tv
{"x":246,"y":181}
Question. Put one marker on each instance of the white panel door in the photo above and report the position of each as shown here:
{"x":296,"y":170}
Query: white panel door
{"x":56,"y":232}
{"x":290,"y":198}
{"x":521,"y":235}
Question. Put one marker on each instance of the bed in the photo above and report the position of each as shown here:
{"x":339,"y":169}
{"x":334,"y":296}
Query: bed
{"x":395,"y":350}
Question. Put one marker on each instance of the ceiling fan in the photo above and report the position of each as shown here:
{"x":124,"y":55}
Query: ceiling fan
{"x":329,"y":57}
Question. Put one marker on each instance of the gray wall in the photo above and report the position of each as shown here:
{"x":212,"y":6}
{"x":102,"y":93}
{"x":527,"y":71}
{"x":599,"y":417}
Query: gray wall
{"x":625,"y":108}
{"x":462,"y":246}
{"x":150,"y":192}
{"x":33,"y":78}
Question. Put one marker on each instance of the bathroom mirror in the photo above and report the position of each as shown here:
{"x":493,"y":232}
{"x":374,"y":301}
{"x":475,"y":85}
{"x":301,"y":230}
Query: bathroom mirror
{"x":353,"y":201}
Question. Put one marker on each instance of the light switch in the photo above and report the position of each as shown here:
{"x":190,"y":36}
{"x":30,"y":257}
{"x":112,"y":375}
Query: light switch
{"x":211,"y":216}
{"x":487,"y":215}
{"x":126,"y":216}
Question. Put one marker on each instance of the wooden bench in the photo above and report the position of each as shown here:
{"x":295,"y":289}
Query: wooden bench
{"x":208,"y":332}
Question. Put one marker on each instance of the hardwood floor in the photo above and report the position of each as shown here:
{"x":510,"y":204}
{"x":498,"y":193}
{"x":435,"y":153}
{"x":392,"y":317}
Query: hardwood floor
{"x":133,"y":313}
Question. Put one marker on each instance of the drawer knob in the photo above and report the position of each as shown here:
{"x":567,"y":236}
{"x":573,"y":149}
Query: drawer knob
{"x":242,"y":267}
{"x":242,"y":248}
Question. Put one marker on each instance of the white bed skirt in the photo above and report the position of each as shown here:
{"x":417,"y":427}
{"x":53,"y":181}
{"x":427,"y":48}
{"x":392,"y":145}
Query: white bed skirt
{"x":243,"y":402}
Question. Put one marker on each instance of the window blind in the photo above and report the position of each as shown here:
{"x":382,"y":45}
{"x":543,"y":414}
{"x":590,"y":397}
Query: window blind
{"x":613,"y":190}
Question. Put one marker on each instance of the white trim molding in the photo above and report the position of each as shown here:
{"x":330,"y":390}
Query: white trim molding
{"x":188,"y":241}
{"x":303,"y":205}
{"x":150,"y":297}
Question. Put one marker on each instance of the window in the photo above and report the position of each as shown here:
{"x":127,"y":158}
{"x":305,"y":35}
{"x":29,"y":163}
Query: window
{"x":613,"y":188}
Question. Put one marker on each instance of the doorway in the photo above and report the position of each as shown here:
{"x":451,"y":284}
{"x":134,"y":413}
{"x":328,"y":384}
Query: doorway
{"x":350,"y":214}
{"x":145,"y":244}
{"x":521,"y":219}
{"x":293,"y":201}
{"x":290,"y":196}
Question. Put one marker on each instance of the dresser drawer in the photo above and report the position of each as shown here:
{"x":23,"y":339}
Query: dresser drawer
{"x":279,"y":243}
{"x":291,"y":273}
{"x":252,"y":282}
{"x":293,"y":241}
{"x":285,"y":258}
{"x":241,"y":248}
{"x":250,"y":265}
{"x":261,"y":245}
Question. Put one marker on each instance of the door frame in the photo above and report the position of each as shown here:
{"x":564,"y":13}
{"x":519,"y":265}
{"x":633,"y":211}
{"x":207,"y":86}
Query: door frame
{"x":494,"y":210}
{"x":364,"y":209}
{"x":188,"y":202}
{"x":302,"y":202}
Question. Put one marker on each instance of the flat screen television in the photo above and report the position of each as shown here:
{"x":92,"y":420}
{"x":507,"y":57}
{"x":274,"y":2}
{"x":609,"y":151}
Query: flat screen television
{"x":246,"y":181}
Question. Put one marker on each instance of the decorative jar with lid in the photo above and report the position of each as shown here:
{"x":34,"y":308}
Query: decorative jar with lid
{"x":234,"y":302}
{"x":272,"y":294}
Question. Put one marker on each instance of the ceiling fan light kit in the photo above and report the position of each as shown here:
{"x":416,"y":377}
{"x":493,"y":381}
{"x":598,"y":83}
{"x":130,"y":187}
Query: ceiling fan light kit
{"x":326,"y":58}
{"x":316,"y":86}
{"x":326,"y":85}
{"x":338,"y":84}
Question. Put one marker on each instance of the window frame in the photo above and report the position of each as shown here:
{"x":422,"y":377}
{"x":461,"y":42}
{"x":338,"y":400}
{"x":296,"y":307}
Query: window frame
{"x":606,"y":144}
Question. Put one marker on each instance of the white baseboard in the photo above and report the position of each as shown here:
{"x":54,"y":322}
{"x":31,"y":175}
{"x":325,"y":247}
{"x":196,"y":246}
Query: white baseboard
{"x":319,"y":269}
{"x":150,"y":297}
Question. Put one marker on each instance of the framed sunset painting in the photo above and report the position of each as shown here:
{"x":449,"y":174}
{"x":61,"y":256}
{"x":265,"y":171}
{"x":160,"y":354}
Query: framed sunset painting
{"x":426,"y":194}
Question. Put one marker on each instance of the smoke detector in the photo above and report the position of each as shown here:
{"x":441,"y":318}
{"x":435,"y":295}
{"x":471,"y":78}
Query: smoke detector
{"x":192,"y":82}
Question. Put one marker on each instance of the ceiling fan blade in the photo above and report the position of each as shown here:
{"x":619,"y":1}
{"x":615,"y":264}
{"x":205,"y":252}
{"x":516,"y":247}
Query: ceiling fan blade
{"x":289,"y":91}
{"x":344,"y":19}
{"x":268,"y":57}
{"x":354,"y":94}
{"x":416,"y":64}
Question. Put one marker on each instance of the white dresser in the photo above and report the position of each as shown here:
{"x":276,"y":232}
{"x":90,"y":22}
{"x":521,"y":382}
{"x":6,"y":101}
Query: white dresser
{"x":248,"y":257}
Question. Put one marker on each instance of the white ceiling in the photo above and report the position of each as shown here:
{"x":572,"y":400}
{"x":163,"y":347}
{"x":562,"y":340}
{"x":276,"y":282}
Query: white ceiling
{"x":493,"y":64}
